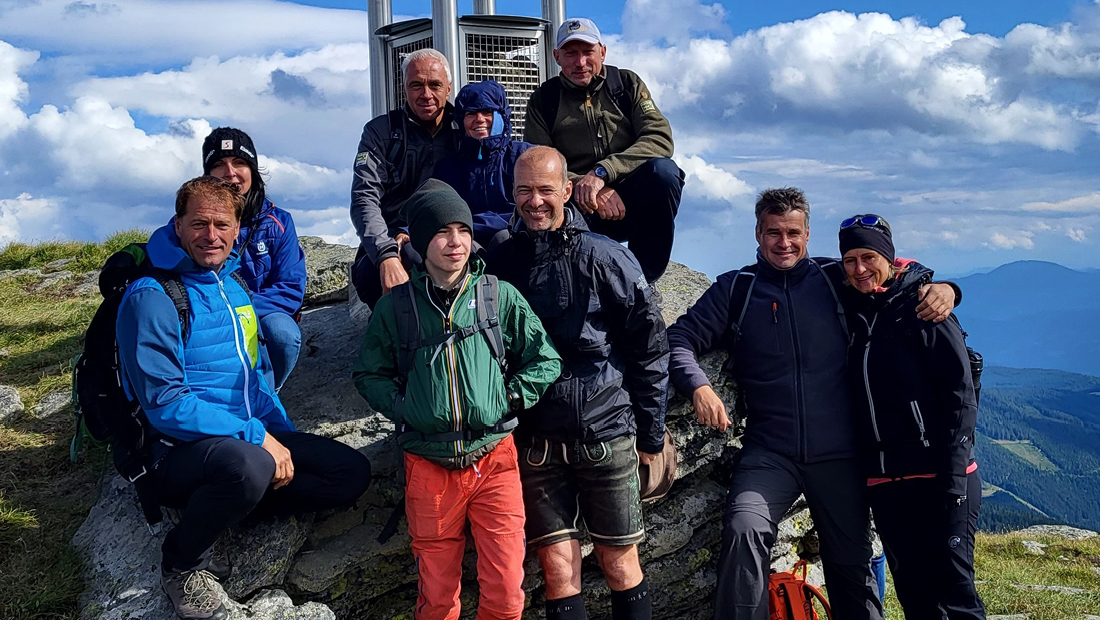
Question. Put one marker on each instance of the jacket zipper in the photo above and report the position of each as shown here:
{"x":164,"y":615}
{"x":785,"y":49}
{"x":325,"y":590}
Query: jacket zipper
{"x":800,"y":401}
{"x":867,"y":387}
{"x":920,"y":421}
{"x":590,"y":114}
{"x":452,"y":369}
{"x":237,"y":343}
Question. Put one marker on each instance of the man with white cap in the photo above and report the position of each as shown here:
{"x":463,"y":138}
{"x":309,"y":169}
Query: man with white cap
{"x":617,"y":143}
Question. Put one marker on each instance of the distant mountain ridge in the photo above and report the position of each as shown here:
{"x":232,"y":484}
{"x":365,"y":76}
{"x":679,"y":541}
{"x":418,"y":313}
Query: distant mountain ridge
{"x":1038,"y":448}
{"x":1034,"y":314}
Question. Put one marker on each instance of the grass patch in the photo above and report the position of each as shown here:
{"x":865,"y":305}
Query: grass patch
{"x":44,"y":497}
{"x":1002,"y":565}
{"x":1028,"y":452}
{"x":89,"y":256}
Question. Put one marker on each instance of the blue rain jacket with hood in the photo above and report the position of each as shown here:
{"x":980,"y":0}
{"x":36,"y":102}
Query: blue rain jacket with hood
{"x":213,"y":384}
{"x":482,"y":169}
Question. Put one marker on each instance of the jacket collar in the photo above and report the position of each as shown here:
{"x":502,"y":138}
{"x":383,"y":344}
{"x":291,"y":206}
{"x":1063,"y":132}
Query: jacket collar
{"x":596,"y":84}
{"x":793,"y":275}
{"x":447,"y":124}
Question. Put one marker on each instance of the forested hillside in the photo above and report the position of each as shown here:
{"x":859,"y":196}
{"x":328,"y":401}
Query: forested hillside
{"x":1039,"y":445}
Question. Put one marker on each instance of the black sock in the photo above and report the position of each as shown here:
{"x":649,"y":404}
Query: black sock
{"x":632,"y":604}
{"x":568,"y":608}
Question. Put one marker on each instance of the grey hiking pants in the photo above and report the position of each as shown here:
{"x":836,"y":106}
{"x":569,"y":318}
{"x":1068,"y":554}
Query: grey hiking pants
{"x":763,"y":488}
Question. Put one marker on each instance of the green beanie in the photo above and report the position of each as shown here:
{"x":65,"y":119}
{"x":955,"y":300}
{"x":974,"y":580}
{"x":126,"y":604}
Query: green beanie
{"x":432,"y":206}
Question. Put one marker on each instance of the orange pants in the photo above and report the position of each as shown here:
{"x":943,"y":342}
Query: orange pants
{"x":438,"y":501}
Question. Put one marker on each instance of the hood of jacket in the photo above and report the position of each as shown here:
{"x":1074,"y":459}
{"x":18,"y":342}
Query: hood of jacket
{"x":488,"y":95}
{"x":165,"y":252}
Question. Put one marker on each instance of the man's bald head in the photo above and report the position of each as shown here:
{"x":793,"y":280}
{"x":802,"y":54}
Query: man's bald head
{"x":541,"y":188}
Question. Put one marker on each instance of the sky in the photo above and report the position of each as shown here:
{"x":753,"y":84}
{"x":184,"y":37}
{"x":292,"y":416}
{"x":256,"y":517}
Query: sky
{"x":974,"y":127}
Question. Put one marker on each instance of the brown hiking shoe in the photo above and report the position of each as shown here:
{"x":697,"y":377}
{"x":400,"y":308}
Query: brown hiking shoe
{"x":194,"y":594}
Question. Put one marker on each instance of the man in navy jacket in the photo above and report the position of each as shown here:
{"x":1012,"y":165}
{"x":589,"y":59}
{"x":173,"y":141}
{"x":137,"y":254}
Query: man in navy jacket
{"x":272,"y":261}
{"x":222,"y":444}
{"x":788,"y":354}
{"x":482,"y":171}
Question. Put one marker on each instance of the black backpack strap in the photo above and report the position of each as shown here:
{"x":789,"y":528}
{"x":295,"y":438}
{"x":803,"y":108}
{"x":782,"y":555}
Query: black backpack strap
{"x":837,"y":271}
{"x":239,"y":279}
{"x":613,"y":82}
{"x":740,"y":294}
{"x":549,"y":100}
{"x":506,"y":425}
{"x":173,"y":286}
{"x":408,"y":339}
{"x":488,"y":313}
{"x":398,"y":137}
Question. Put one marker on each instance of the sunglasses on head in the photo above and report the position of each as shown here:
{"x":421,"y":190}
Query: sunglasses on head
{"x":866,"y":221}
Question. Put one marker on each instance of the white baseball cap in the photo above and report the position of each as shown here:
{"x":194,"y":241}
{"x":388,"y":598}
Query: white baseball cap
{"x":578,"y":29}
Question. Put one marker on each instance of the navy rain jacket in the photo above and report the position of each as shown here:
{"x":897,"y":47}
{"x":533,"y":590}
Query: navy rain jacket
{"x":482,"y":169}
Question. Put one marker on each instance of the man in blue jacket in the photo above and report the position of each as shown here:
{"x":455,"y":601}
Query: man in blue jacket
{"x":222,"y":444}
{"x":783,"y":325}
{"x":482,"y":170}
{"x":272,"y":261}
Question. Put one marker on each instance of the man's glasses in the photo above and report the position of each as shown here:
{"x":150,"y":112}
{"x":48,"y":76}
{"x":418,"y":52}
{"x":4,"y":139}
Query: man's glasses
{"x":866,"y":221}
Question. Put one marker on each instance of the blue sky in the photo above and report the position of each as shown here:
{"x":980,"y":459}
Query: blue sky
{"x":974,"y":127}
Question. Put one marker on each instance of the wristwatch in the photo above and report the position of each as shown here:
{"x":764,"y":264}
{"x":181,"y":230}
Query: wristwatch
{"x":601,"y":172}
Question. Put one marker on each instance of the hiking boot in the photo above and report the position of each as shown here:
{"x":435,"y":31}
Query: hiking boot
{"x":194,"y":594}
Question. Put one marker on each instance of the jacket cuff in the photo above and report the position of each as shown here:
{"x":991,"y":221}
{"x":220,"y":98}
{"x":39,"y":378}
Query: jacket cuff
{"x":612,"y":174}
{"x":649,"y":447}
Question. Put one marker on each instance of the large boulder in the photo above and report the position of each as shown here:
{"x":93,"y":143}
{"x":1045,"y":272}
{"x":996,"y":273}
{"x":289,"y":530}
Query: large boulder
{"x":336,"y":560}
{"x":328,"y":266}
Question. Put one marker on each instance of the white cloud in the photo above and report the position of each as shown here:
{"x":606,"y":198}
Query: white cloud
{"x":138,"y":32}
{"x":1077,"y":234}
{"x":869,"y":71}
{"x":1010,"y":240}
{"x":13,"y":90}
{"x":26,"y":218}
{"x":711,"y":182}
{"x":671,"y":20}
{"x":1080,"y":204}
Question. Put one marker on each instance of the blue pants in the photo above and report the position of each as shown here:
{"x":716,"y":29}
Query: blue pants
{"x":284,"y":339}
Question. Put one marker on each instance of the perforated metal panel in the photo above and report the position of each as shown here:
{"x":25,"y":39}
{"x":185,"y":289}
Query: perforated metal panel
{"x":514,"y":58}
{"x":398,"y":54}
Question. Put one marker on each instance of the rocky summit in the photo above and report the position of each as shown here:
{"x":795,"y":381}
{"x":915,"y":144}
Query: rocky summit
{"x":332,"y":565}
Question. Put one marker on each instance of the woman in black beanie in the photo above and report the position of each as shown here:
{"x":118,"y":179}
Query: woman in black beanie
{"x":272,"y":261}
{"x":915,"y":402}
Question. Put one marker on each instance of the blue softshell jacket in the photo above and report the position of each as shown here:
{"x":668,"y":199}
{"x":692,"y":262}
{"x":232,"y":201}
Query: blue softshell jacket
{"x":213,"y":385}
{"x":482,"y":169}
{"x":273,"y":263}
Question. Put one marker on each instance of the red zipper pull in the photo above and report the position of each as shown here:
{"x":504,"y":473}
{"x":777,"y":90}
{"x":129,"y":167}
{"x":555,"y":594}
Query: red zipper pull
{"x":775,"y":312}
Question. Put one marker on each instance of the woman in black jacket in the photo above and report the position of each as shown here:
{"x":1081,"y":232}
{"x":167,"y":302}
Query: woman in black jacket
{"x":916,"y":411}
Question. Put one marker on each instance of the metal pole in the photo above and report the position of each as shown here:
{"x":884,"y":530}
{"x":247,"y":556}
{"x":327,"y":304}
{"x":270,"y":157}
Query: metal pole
{"x":485,"y":7}
{"x":445,"y":35}
{"x":553,"y":11}
{"x":379,"y":13}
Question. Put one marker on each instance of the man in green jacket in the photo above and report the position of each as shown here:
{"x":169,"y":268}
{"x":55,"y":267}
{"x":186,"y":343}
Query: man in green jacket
{"x":617,"y":143}
{"x":456,"y":406}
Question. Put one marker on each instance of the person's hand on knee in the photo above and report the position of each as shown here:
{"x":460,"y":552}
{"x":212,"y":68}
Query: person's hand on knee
{"x":284,"y":466}
{"x":610,"y":205}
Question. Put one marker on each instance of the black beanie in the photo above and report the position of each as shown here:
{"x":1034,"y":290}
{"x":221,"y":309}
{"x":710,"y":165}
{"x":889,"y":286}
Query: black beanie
{"x":432,"y":206}
{"x":877,"y":237}
{"x":231,"y":142}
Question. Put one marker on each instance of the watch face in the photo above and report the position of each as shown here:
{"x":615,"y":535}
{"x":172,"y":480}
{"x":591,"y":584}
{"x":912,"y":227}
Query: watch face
{"x":600,"y":171}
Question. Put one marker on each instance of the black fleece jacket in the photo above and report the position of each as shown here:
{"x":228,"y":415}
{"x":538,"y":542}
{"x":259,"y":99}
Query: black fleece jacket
{"x":789,"y":362}
{"x":912,"y":385}
{"x":601,"y":314}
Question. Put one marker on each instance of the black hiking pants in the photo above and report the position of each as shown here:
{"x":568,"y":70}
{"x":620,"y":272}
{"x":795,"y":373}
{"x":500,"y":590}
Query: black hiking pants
{"x":930,"y":546}
{"x":219,"y":481}
{"x":764,"y":487}
{"x":652,"y":198}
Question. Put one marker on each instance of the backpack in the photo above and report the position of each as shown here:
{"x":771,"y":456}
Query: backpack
{"x":791,"y":598}
{"x":550,"y":96}
{"x":977,"y":362}
{"x":102,"y":410}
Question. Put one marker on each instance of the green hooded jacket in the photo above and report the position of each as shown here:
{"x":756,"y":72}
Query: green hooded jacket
{"x":463,"y":387}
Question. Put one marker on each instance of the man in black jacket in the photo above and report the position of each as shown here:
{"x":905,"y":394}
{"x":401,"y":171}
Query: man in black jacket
{"x":398,"y":152}
{"x":788,"y":346}
{"x":581,"y":444}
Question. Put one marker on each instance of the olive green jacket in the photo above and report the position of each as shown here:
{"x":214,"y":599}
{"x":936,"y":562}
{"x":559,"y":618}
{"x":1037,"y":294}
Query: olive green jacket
{"x":590,"y":129}
{"x":462,"y":388}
